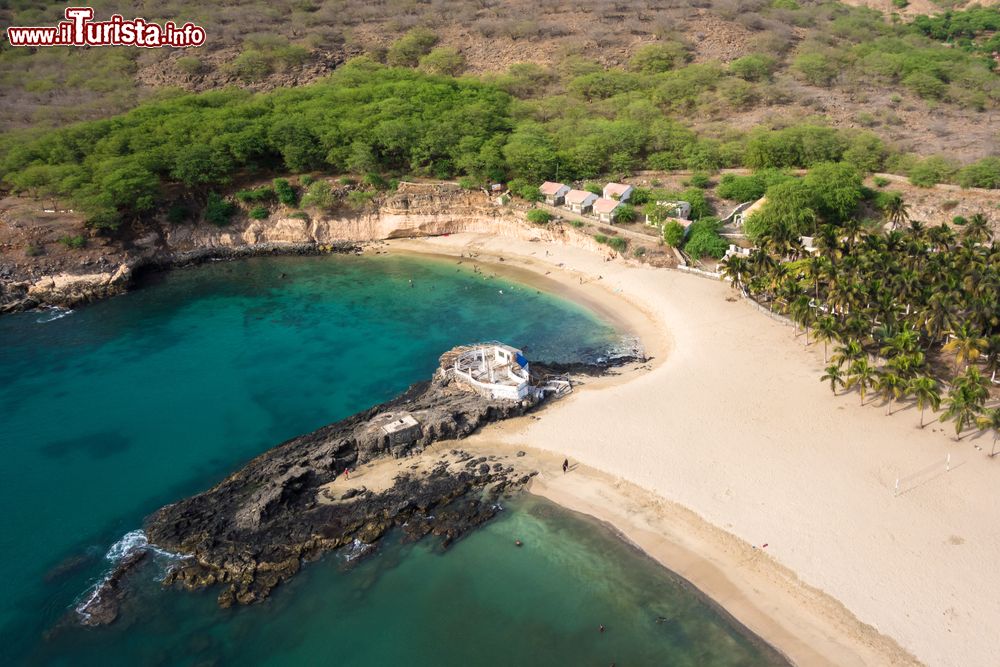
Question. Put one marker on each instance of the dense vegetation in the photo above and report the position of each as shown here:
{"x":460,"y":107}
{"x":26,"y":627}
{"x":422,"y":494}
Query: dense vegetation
{"x":913,"y":312}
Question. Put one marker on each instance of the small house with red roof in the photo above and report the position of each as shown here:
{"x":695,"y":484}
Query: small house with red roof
{"x":554,"y":193}
{"x":617,"y":191}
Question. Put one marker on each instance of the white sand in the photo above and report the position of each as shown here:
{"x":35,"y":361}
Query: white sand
{"x":731,"y":441}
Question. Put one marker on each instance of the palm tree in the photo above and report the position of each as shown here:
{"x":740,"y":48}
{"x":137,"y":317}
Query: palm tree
{"x":965,"y":400}
{"x":925,"y":389}
{"x":958,"y":409}
{"x":977,"y":229}
{"x":848,"y":353}
{"x":835,"y":377}
{"x":733,"y":268}
{"x":891,"y":386}
{"x":862,"y":376}
{"x":896,"y":211}
{"x":826,"y":331}
{"x":966,"y":344}
{"x":990,"y":419}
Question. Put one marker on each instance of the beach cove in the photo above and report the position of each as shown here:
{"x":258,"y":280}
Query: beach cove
{"x":276,"y":345}
{"x":729,"y":443}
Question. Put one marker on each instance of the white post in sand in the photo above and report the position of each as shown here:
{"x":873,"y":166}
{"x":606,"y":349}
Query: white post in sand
{"x":895,"y":491}
{"x":947,"y":464}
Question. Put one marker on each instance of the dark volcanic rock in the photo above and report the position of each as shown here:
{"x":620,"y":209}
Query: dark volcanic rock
{"x":254,"y":529}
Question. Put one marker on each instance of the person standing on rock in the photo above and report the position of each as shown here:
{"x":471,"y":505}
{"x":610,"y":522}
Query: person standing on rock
{"x":565,"y":465}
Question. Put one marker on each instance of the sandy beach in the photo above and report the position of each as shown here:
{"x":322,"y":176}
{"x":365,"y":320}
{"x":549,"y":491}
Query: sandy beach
{"x":727,"y":460}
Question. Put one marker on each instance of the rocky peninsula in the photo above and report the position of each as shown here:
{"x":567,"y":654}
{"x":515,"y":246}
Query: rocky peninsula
{"x":255,"y":529}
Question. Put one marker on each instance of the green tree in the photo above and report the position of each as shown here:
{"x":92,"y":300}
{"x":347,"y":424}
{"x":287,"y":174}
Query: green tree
{"x":836,"y":188}
{"x":658,"y":57}
{"x":407,"y":50}
{"x":444,"y":60}
{"x":990,"y":419}
{"x":673,"y":234}
{"x":834,"y":376}
{"x":754,"y":67}
{"x":815,"y":68}
{"x":925,"y":390}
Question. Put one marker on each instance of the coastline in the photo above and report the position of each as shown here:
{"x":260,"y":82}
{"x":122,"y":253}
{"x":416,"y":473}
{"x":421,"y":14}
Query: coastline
{"x":728,"y":442}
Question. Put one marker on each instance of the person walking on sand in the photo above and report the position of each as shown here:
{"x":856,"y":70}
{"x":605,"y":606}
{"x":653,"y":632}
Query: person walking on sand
{"x":565,"y":465}
{"x":347,"y":473}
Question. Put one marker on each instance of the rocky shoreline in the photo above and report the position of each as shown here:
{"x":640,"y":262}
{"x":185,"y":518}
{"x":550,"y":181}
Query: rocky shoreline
{"x":256,"y":528}
{"x":68,"y":290}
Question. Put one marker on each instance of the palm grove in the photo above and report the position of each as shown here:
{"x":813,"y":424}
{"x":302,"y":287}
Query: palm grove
{"x":908,"y":312}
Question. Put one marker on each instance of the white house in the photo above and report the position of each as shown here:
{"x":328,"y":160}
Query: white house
{"x":579,"y":201}
{"x":606,"y":209}
{"x":554,"y":193}
{"x":618,"y":191}
{"x":495,"y":370}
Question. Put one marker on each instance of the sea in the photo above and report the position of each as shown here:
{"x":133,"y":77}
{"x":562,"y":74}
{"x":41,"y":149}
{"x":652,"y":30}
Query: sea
{"x":111,"y":410}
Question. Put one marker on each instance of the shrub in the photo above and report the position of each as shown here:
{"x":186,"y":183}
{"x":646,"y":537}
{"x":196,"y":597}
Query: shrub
{"x":959,"y":220}
{"x":524,"y":189}
{"x":704,"y":239}
{"x":252,"y":65}
{"x":301,"y":215}
{"x":925,"y":85}
{"x":594,"y":188}
{"x":929,"y":172}
{"x":659,"y":57}
{"x":33,"y":250}
{"x":77,"y":242}
{"x":617,"y":243}
{"x":699,"y":204}
{"x":307,"y":180}
{"x":673,"y":234}
{"x":700,"y":180}
{"x":285,"y":192}
{"x":538,"y":216}
{"x":576,"y":223}
{"x":815,"y":68}
{"x":625,"y":213}
{"x":259,"y":212}
{"x":375,"y":180}
{"x":318,"y":195}
{"x":982,"y":174}
{"x":407,"y":50}
{"x":178,"y":214}
{"x":467,"y":183}
{"x":218,"y":211}
{"x":443,"y":60}
{"x":190,"y":65}
{"x":640,"y":196}
{"x":263,"y":194}
{"x":639,"y":252}
{"x":881,"y":181}
{"x":346,"y":180}
{"x":359,"y":198}
{"x":754,"y":67}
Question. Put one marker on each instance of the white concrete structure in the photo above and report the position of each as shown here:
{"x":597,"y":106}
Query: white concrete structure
{"x":579,"y":201}
{"x":606,"y":209}
{"x":742,"y":216}
{"x":618,"y":191}
{"x":494,"y":369}
{"x":554,"y":193}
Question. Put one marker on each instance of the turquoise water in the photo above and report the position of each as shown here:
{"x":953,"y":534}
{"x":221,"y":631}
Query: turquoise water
{"x":120,"y":407}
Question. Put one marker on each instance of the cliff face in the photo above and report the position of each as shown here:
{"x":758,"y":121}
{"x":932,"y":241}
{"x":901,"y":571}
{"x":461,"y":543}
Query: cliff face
{"x":414,"y":210}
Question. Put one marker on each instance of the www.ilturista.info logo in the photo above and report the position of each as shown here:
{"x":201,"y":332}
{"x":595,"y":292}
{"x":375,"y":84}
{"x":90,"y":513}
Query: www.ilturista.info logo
{"x":79,"y":30}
